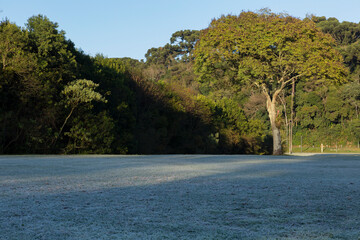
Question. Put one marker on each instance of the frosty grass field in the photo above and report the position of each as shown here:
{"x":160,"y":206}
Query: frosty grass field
{"x":180,"y":197}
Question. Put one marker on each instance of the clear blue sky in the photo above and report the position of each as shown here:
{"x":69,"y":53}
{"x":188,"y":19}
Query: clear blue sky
{"x":128,"y":28}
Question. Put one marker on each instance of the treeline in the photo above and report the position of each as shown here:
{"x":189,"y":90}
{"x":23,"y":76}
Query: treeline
{"x":330,"y":114}
{"x":56,"y":99}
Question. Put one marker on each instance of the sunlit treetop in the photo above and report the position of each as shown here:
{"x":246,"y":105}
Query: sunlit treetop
{"x":266,"y":49}
{"x":269,"y":51}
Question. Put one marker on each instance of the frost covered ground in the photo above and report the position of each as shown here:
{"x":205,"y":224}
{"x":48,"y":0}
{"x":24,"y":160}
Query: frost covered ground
{"x":180,"y":197}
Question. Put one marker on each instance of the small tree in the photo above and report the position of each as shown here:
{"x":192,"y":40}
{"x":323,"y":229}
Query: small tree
{"x":268,"y":51}
{"x":76,"y":93}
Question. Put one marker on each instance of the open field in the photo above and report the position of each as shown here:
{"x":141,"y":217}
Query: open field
{"x":317,"y":149}
{"x":180,"y":197}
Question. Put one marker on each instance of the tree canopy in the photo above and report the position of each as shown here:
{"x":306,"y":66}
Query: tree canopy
{"x":208,"y":91}
{"x":268,"y":51}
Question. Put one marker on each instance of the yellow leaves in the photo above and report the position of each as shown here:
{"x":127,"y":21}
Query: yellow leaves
{"x":262,"y":46}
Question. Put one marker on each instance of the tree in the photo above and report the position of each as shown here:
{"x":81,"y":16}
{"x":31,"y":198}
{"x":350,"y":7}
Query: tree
{"x":179,"y":49}
{"x":185,"y":41}
{"x":344,"y":33}
{"x":269,"y":51}
{"x":162,"y":55}
{"x":347,"y":35}
{"x":90,"y":133}
{"x":55,"y":60}
{"x":79,"y":92}
{"x":18,"y":87}
{"x":351,"y":94}
{"x":55,"y":66}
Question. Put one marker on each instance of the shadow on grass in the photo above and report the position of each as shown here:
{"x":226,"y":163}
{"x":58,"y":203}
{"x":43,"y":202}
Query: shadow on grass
{"x":181,"y":197}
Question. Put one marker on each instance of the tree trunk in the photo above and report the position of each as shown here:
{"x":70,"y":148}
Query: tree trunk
{"x":287,"y":121}
{"x":62,"y":127}
{"x":271,"y":108}
{"x":291,"y":118}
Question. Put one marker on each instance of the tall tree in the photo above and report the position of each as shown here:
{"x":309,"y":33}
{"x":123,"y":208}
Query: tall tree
{"x":269,"y":51}
{"x":18,"y":87}
{"x":78,"y":92}
{"x":185,"y":41}
{"x":179,"y":49}
{"x":55,"y":67}
{"x":347,"y":35}
{"x":55,"y":60}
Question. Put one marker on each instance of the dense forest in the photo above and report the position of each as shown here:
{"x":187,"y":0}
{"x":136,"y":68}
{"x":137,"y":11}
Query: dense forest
{"x":205,"y":91}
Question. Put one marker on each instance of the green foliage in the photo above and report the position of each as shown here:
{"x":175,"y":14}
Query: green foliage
{"x":354,"y":127}
{"x":47,"y":105}
{"x":91,"y":134}
{"x":347,"y":36}
{"x":19,"y":89}
{"x":56,"y":62}
{"x":170,"y":120}
{"x":266,"y":50}
{"x":337,"y":109}
{"x":307,"y":116}
{"x":350,"y":94}
{"x":162,"y":55}
{"x":81,"y":91}
{"x":37,"y":80}
{"x":179,"y":49}
{"x":184,"y":42}
{"x":344,"y":33}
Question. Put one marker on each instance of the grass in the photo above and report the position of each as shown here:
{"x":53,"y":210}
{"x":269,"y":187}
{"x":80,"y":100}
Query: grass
{"x":180,"y":197}
{"x":339,"y":150}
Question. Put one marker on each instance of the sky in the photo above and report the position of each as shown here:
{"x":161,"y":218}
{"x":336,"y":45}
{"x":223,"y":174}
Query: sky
{"x":128,"y":28}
